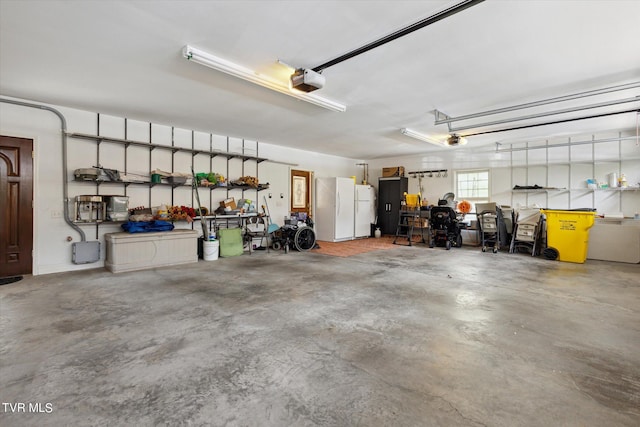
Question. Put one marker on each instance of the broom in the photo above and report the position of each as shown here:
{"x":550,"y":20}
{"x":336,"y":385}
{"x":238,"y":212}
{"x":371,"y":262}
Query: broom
{"x":194,"y":186}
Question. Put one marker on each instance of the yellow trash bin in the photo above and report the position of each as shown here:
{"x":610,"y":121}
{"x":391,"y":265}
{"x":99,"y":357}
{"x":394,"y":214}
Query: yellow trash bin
{"x":568,"y":233}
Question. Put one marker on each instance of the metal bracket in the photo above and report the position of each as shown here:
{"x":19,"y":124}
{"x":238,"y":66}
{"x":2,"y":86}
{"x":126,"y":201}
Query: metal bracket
{"x":442,"y":118}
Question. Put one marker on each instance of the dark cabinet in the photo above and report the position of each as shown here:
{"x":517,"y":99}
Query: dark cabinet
{"x":390,"y":195}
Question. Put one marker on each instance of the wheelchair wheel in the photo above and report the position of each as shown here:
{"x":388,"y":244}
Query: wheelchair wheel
{"x":304,"y":239}
{"x":459,"y":241}
{"x":448,"y":245}
{"x":276,"y":246}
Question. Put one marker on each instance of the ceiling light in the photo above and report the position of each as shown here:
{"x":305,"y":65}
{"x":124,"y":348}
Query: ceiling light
{"x":453,"y":140}
{"x":220,"y":64}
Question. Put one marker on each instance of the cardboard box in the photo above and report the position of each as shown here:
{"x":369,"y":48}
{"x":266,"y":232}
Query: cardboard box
{"x":229,"y":203}
{"x":418,"y":222}
{"x":395,"y":171}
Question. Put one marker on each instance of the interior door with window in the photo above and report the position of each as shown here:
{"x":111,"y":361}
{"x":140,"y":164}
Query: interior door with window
{"x":301,"y":192}
{"x":16,"y":206}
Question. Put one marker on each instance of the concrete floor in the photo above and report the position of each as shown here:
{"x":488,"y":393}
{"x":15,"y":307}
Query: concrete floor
{"x":409,"y":336}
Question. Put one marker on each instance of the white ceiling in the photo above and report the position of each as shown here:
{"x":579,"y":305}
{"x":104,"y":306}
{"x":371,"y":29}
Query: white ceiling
{"x":124,"y":58}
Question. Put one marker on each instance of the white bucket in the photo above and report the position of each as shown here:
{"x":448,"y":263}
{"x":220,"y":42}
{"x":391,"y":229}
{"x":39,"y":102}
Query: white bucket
{"x":210,"y":250}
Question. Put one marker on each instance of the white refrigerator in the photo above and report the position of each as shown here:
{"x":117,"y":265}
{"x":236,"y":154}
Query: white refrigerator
{"x":365,"y":214}
{"x":335,"y":209}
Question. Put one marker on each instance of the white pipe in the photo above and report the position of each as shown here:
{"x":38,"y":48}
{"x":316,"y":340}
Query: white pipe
{"x":65,"y":190}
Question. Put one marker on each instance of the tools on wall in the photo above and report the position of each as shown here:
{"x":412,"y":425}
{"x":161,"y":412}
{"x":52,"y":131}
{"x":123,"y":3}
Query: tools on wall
{"x":437,"y":173}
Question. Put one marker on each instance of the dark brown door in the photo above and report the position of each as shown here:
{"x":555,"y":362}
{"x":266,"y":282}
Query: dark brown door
{"x":301,"y":191}
{"x":16,"y":206}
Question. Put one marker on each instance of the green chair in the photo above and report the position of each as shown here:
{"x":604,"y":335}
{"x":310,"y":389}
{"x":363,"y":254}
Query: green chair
{"x":230,"y":242}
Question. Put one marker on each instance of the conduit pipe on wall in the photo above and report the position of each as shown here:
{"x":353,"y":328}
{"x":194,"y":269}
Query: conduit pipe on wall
{"x":65,"y":190}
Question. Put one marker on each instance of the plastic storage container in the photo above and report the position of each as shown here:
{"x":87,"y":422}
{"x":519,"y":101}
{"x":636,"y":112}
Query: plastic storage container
{"x":568,"y":233}
{"x":137,"y":251}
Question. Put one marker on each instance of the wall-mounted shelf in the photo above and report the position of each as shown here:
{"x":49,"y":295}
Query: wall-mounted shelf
{"x":562,"y":175}
{"x":260,"y":187}
{"x":233,"y":162}
{"x":127,"y":183}
{"x":128,"y":142}
{"x":98,"y":222}
{"x":595,"y":190}
{"x":539,"y":190}
{"x":619,"y":189}
{"x":247,"y":187}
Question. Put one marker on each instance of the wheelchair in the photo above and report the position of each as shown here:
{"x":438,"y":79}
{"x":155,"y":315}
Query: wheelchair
{"x":445,"y":228}
{"x":302,"y":238}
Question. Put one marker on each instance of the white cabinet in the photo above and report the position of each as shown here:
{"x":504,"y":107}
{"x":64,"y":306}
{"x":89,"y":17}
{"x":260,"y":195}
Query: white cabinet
{"x":615,"y":240}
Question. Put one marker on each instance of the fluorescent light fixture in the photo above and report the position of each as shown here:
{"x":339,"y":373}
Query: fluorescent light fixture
{"x":422,"y":137}
{"x":220,"y":64}
{"x":450,"y":141}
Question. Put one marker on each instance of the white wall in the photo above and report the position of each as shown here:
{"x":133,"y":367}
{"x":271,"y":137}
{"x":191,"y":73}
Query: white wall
{"x":52,"y":250}
{"x":559,"y":166}
{"x":278,"y":175}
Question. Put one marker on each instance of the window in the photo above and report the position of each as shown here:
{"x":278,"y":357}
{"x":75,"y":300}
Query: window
{"x":473,"y":186}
